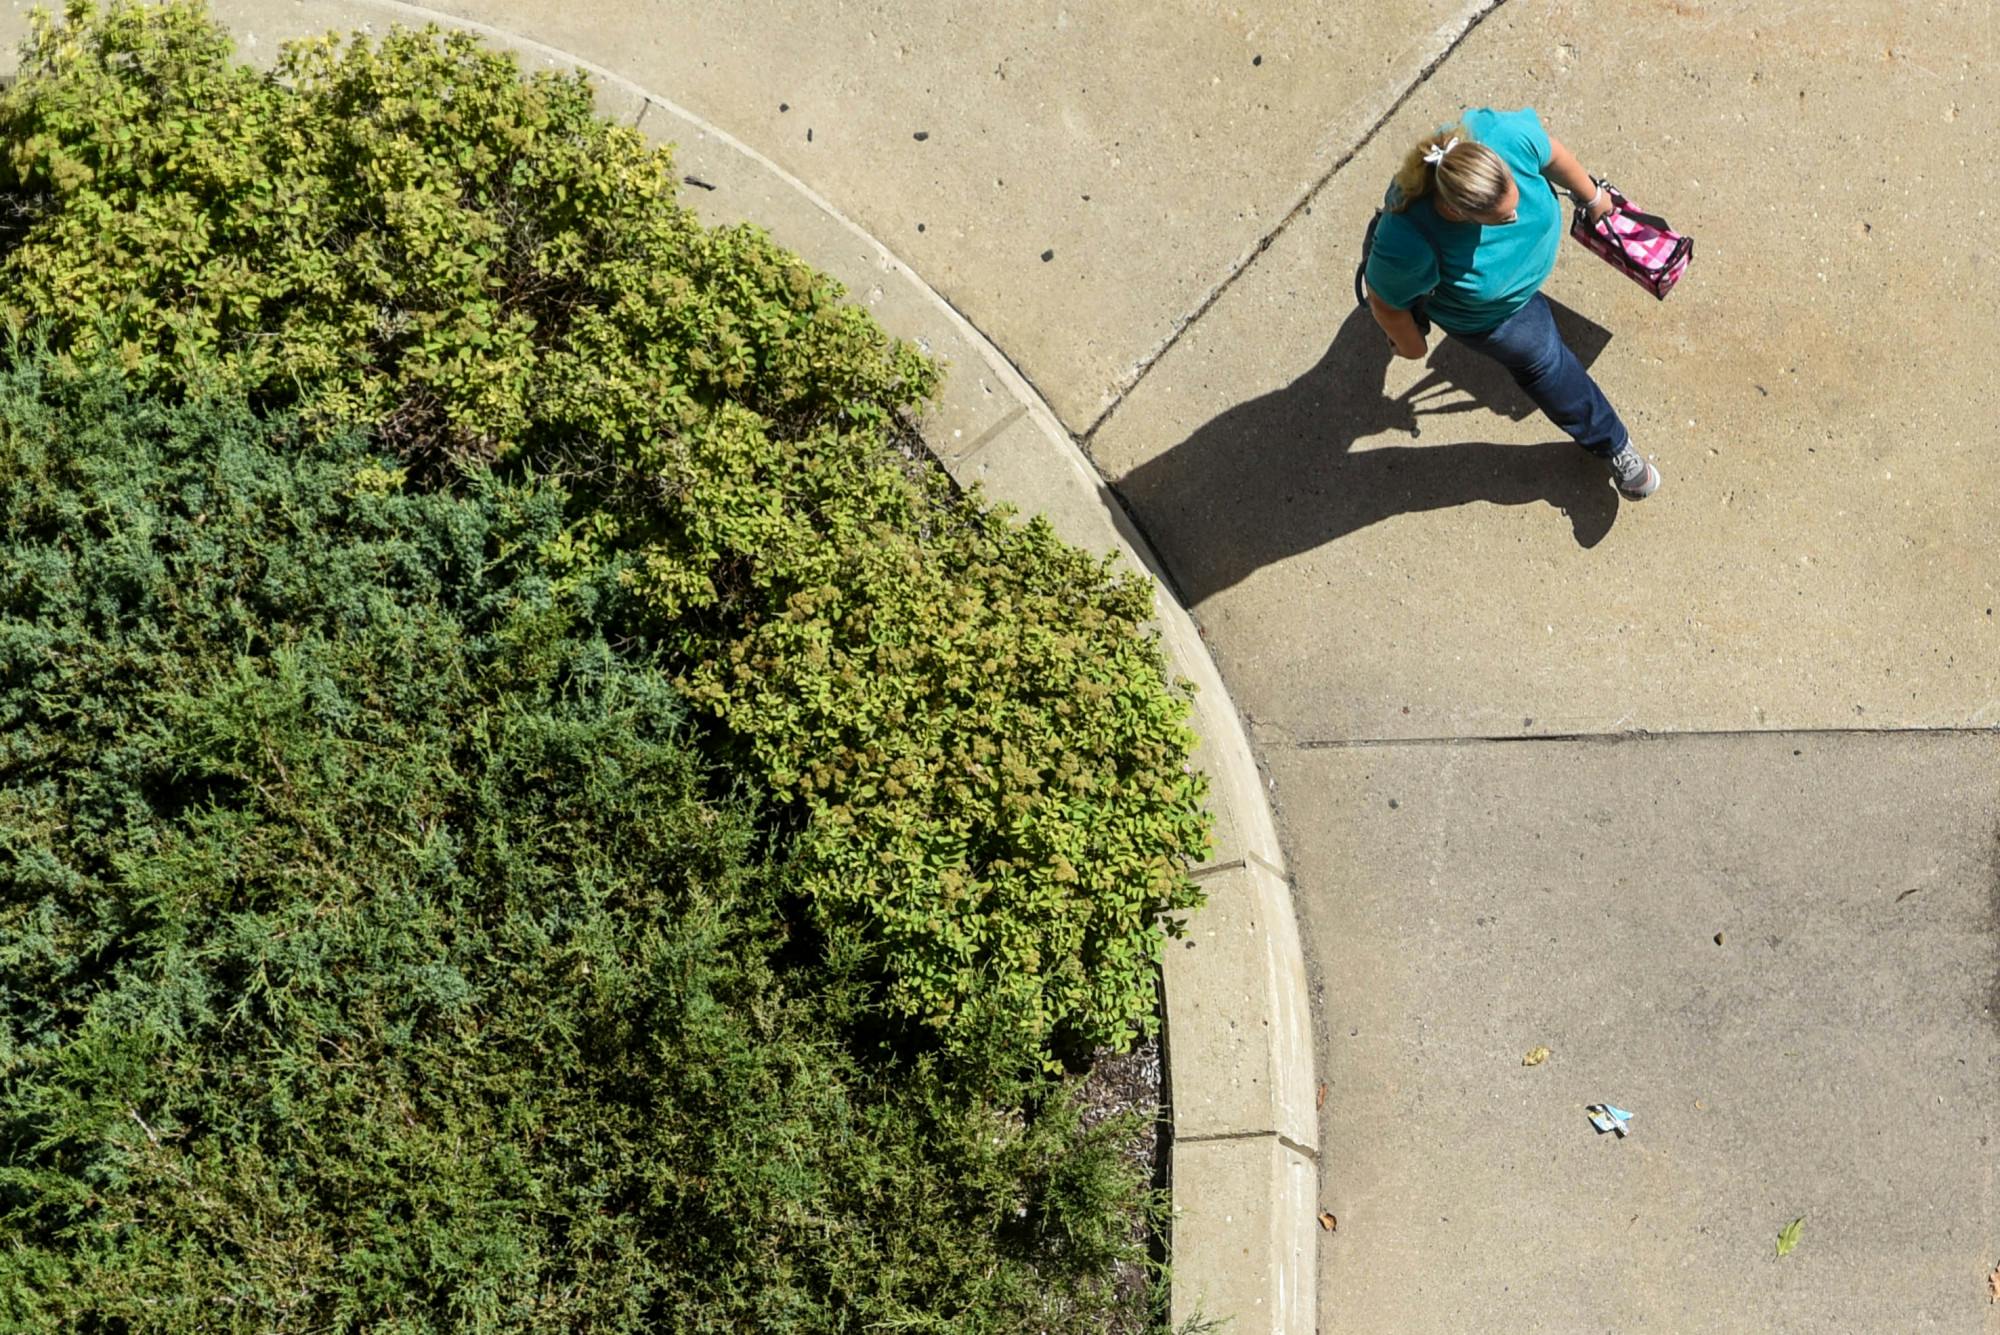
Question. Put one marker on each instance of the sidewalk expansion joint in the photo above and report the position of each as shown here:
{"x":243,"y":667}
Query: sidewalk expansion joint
{"x":1640,"y":735}
{"x":1269,"y":866}
{"x":1215,"y":1137}
{"x":1253,"y":859}
{"x":1242,"y":265}
{"x":987,"y":436}
{"x":998,"y":351}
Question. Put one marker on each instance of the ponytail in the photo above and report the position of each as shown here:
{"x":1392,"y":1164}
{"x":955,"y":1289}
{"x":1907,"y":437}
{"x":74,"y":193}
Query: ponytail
{"x":1469,"y":176}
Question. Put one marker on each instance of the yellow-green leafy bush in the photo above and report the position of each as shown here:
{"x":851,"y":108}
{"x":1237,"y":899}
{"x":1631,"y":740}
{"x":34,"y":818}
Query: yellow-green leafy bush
{"x":990,"y":766}
{"x":404,"y":233}
{"x":969,"y":709}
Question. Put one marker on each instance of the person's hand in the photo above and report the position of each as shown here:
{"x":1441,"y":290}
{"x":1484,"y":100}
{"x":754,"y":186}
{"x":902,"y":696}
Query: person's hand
{"x":1599,"y":208}
{"x":1414,"y":352}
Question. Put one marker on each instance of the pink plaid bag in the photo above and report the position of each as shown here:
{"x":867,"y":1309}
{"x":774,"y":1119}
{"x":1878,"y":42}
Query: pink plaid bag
{"x":1639,"y":245}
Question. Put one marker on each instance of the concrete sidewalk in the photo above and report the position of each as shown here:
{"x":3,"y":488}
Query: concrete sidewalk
{"x":1776,"y":950}
{"x":1448,"y":633}
{"x":1418,"y":591}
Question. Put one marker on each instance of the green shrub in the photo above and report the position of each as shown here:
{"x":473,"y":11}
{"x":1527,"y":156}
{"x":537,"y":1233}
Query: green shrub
{"x":967,"y":714}
{"x":376,"y":951}
{"x":407,"y":234}
{"x":970,"y":710}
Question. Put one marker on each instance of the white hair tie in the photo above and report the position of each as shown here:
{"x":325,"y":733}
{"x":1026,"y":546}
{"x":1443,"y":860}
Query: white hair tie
{"x":1435,"y":153}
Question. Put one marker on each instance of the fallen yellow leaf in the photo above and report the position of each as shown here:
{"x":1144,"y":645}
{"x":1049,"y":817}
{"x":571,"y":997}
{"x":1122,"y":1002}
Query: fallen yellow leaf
{"x":1327,"y":1221}
{"x":1535,"y":1057}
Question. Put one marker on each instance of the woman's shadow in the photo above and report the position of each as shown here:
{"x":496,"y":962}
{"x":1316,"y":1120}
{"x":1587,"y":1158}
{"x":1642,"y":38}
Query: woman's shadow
{"x":1279,"y":475}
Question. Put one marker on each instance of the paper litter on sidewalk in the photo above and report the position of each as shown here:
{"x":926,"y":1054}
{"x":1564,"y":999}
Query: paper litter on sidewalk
{"x":1607,"y":1118}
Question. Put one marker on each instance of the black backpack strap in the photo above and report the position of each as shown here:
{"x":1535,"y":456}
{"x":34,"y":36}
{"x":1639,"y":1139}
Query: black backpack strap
{"x":1390,"y":198}
{"x":1361,"y":269}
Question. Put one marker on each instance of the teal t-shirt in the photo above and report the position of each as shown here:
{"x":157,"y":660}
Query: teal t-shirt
{"x":1475,"y":275}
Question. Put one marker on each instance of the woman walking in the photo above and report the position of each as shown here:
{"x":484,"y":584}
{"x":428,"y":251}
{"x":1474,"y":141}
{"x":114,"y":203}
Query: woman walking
{"x":1465,"y":244}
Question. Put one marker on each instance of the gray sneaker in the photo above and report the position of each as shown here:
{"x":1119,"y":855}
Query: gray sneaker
{"x":1635,"y":478}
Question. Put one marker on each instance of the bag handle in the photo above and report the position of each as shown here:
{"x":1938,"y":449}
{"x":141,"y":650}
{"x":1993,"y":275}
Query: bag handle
{"x":1652,"y":220}
{"x":1602,"y":227}
{"x":1620,"y":204}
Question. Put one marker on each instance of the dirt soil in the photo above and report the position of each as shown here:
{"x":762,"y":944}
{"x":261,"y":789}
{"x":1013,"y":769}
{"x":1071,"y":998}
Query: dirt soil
{"x":1118,"y":1084}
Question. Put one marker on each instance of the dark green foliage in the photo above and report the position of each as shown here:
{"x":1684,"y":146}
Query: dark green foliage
{"x":376,"y":952}
{"x":967,"y":714}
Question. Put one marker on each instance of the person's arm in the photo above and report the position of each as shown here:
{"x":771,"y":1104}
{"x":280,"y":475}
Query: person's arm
{"x":1400,"y":326}
{"x":1568,"y":174}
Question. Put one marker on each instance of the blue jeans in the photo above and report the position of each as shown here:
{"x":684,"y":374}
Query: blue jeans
{"x":1529,"y":346}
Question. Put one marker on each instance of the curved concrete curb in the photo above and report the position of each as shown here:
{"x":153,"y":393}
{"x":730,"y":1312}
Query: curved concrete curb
{"x":1240,"y":1057}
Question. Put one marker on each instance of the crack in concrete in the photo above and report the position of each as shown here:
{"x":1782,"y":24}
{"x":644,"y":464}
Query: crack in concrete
{"x":1630,"y":735}
{"x":1242,"y":266}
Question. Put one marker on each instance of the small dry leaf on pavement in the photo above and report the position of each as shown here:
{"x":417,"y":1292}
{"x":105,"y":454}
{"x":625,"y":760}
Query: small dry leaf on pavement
{"x":1788,"y":1237}
{"x":1320,"y":1102}
{"x":1993,"y":1286}
{"x":1535,"y":1057}
{"x":1327,"y":1221}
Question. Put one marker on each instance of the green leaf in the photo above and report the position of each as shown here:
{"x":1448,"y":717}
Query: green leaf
{"x":1788,"y":1237}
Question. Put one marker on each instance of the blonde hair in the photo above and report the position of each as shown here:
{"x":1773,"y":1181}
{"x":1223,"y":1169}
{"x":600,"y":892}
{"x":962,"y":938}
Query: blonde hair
{"x":1469,"y":179}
